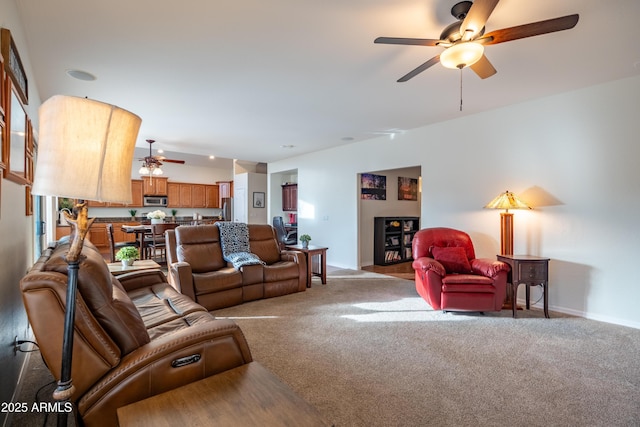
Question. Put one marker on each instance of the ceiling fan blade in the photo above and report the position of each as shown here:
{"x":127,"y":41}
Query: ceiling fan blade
{"x":483,"y":68}
{"x":414,"y":42}
{"x":476,"y":18}
{"x":173,"y":161}
{"x":419,"y":69}
{"x":532,"y":29}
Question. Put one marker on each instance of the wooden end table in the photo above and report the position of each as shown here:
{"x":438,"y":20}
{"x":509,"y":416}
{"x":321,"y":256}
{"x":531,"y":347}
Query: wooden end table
{"x":317,"y":268}
{"x":528,"y":270}
{"x":248,"y":395}
{"x":116,"y":268}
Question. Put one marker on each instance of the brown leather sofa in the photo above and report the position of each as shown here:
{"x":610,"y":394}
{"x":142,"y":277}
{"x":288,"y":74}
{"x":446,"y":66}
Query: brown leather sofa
{"x":129,"y":331}
{"x":198,"y":270}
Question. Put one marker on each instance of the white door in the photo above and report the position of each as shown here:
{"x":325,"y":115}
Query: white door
{"x":240,"y":205}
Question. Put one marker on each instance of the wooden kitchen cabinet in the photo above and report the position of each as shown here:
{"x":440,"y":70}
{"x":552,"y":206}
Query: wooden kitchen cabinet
{"x":136,"y":197}
{"x":185,"y":196}
{"x":154,"y":186}
{"x":212,"y":196}
{"x":137,"y":193}
{"x":198,"y":196}
{"x":290,"y":197}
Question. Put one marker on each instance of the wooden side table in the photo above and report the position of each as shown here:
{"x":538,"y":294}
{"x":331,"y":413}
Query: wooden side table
{"x":528,"y":270}
{"x":116,"y":268}
{"x":314,"y":268}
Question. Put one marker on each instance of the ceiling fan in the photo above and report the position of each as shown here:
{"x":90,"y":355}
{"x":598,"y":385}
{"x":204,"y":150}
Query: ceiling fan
{"x":464,"y":40}
{"x":151,"y":164}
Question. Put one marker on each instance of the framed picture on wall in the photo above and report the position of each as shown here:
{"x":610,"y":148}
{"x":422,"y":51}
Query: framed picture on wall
{"x":15,"y":153}
{"x":258,"y":200}
{"x":407,"y":188}
{"x":373,"y":187}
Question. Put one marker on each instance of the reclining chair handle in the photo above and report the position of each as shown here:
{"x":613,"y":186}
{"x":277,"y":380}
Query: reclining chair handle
{"x":183,"y":361}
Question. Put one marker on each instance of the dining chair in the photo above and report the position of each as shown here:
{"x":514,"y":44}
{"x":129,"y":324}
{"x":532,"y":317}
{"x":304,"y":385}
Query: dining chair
{"x":155,"y":244}
{"x":115,"y":246}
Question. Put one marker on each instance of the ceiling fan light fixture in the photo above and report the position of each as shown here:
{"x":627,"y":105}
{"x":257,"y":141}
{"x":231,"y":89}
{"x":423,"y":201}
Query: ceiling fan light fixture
{"x":157,"y":171}
{"x":143,"y":170}
{"x":462,"y":55}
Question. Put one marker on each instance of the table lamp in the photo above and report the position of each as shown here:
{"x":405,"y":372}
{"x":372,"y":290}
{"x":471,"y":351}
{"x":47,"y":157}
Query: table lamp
{"x":85,"y":152}
{"x":506,"y":201}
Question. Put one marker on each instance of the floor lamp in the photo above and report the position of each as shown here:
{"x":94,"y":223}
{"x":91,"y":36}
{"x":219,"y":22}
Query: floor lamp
{"x":85,"y":152}
{"x":506,"y":201}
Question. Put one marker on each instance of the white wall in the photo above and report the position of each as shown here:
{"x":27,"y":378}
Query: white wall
{"x":574,"y":156}
{"x":16,"y":234}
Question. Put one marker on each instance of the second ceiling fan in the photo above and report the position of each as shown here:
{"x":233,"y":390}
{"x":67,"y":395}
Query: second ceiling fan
{"x":464,"y":40}
{"x":151,"y":164}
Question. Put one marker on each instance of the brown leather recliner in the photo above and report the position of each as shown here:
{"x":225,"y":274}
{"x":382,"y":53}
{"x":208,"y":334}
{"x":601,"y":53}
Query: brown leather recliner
{"x":450,"y":277}
{"x":129,"y":332}
{"x":198,"y":270}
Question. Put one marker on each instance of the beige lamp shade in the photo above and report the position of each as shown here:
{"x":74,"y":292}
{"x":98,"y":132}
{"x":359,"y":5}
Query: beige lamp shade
{"x":507,"y":200}
{"x":85,"y":150}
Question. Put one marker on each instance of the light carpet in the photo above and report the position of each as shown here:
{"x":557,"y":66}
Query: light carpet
{"x":366,"y":350}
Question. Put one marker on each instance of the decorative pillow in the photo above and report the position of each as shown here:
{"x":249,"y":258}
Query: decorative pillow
{"x":454,"y":259}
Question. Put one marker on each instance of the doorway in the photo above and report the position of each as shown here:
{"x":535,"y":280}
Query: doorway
{"x":393,"y":203}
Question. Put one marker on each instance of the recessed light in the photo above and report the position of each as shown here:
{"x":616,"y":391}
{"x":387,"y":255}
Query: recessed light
{"x":212,"y":157}
{"x":347,"y":138}
{"x":287,"y":146}
{"x":81,"y":75}
{"x":160,"y":150}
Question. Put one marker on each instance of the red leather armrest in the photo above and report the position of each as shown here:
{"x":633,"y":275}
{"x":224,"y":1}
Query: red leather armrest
{"x":488,"y":267}
{"x":425,"y":263}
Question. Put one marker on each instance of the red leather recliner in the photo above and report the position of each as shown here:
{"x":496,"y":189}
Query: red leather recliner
{"x":450,"y":278}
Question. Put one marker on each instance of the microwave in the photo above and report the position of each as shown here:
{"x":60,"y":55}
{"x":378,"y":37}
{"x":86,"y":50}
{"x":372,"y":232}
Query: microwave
{"x":155,"y":201}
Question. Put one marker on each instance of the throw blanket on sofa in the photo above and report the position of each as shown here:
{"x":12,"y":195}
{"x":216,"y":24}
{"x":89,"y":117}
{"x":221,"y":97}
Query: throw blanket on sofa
{"x":234,"y":240}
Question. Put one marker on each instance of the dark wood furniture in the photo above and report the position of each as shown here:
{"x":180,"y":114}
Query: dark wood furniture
{"x":528,"y":270}
{"x":392,"y":238}
{"x":316,"y":261}
{"x":248,"y":395}
{"x":116,"y":268}
{"x":290,"y":197}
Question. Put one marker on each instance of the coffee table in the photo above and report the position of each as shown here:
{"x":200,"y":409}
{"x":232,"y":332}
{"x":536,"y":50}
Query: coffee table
{"x":248,"y":395}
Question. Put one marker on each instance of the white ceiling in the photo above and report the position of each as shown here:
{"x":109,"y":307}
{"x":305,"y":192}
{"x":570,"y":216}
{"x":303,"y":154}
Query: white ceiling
{"x":240,"y":79}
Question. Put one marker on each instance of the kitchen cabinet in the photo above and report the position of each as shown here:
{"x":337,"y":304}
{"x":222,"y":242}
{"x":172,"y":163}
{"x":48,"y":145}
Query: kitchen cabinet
{"x":290,"y":197}
{"x":97,"y":234}
{"x":136,"y":197}
{"x":173,"y":195}
{"x":137,"y":193}
{"x":185,"y":196}
{"x":154,"y":186}
{"x":198,"y":196}
{"x":189,"y":195}
{"x":212,"y":196}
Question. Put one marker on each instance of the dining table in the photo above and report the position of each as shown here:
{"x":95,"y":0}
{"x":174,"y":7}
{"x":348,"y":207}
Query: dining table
{"x":140,"y":232}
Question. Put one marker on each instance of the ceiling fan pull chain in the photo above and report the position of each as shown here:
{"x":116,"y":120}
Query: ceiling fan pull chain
{"x":460,"y":88}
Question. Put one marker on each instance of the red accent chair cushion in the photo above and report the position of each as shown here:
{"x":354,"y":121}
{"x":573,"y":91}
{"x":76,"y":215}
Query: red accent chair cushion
{"x":453,"y":259}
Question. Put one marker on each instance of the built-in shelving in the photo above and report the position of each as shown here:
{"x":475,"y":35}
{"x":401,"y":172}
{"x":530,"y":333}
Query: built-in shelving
{"x":393,"y":237}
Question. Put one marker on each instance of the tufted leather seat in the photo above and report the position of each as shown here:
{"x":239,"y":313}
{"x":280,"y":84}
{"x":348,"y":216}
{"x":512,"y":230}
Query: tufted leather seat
{"x":128,"y":331}
{"x":197,"y":268}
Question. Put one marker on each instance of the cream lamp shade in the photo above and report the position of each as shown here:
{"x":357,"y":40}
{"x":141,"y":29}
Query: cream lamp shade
{"x":507,"y":200}
{"x":85,"y":150}
{"x":462,"y":55}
